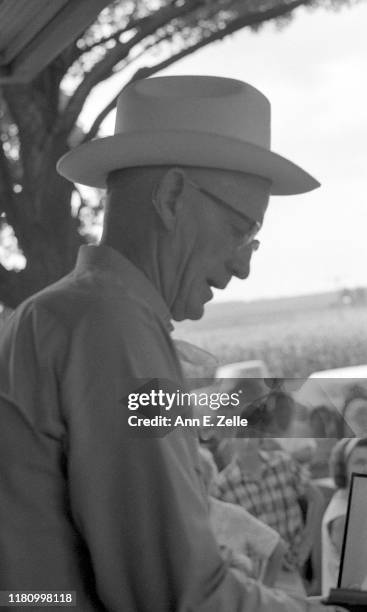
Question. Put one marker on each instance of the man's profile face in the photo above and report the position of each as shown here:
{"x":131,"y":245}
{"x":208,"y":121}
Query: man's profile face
{"x":212,"y":250}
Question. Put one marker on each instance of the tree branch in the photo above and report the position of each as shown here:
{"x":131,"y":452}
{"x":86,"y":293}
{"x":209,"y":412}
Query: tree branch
{"x":102,"y":41}
{"x":78,"y":51}
{"x":18,"y":212}
{"x":32,"y":133}
{"x":103,"y":69}
{"x":8,"y":287}
{"x":245,"y":21}
{"x":93,"y":130}
{"x":7,"y":199}
{"x":24,"y":112}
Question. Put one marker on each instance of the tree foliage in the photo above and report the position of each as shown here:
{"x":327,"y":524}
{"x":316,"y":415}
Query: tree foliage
{"x":39,"y":120}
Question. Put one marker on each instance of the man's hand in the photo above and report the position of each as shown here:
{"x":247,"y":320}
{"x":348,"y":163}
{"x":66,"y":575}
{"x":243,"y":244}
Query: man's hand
{"x":238,"y":561}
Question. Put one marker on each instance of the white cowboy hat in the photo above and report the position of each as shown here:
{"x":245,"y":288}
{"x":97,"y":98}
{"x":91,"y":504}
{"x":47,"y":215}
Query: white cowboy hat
{"x":200,"y":121}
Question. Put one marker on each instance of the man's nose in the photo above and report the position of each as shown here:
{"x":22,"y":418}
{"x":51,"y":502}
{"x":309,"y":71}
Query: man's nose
{"x":241,"y":269}
{"x":241,"y":262}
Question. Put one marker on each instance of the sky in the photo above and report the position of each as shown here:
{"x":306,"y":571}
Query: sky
{"x":314,"y":73}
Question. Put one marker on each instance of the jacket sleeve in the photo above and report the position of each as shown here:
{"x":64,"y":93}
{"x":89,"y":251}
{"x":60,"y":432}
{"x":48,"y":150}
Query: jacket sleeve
{"x":136,"y":499}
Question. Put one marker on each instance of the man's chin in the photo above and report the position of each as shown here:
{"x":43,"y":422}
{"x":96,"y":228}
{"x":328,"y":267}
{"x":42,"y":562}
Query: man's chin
{"x":191,"y":312}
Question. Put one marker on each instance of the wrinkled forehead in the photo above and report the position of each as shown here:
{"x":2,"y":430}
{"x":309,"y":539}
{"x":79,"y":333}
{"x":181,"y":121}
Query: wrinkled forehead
{"x":245,"y":193}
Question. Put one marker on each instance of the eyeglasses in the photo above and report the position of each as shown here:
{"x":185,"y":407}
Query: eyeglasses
{"x":254,"y":226}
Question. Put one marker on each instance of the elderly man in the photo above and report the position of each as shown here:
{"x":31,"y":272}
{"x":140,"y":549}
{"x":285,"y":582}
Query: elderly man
{"x":87,"y":504}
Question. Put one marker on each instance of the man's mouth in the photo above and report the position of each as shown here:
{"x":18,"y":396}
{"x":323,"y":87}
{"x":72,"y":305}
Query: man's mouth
{"x":217,"y":284}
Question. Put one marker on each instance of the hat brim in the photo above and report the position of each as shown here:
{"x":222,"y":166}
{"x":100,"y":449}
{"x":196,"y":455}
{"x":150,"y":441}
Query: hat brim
{"x":90,"y":163}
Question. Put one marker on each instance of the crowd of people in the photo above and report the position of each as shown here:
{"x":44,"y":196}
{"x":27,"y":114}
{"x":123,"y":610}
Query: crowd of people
{"x":296,"y":486}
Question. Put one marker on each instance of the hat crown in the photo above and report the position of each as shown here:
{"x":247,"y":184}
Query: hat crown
{"x":201,"y":104}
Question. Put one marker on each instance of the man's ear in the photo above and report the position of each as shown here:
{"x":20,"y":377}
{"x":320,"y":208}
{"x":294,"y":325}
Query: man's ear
{"x":167,"y":196}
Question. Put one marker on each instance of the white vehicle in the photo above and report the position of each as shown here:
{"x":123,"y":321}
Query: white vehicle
{"x":329,"y":387}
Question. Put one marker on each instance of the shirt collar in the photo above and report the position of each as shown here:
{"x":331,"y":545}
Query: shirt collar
{"x":122,"y":270}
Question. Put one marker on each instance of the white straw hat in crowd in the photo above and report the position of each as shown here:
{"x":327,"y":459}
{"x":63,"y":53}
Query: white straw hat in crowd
{"x":243,"y":369}
{"x":231,"y":376}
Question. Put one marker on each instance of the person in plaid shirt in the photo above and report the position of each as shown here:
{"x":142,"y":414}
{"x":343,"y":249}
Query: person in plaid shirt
{"x":269,"y":486}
